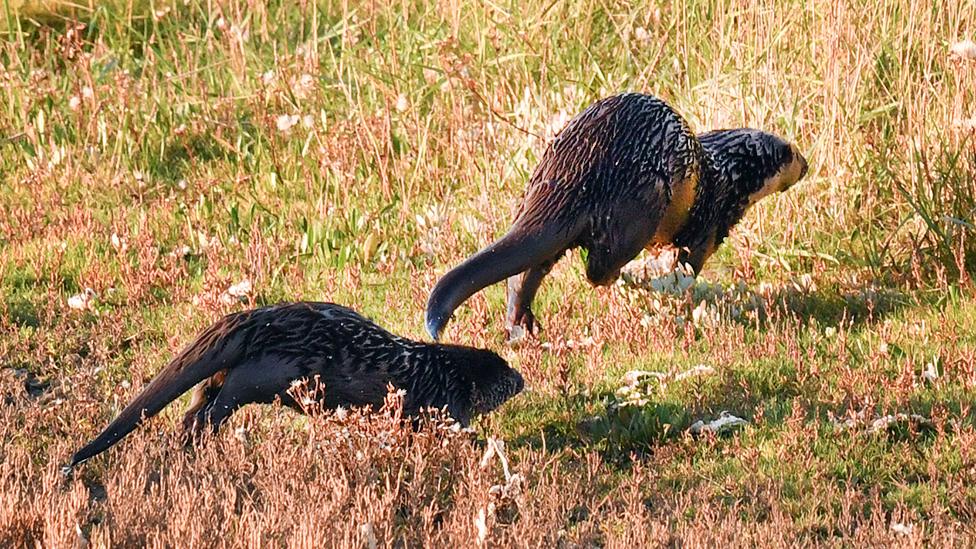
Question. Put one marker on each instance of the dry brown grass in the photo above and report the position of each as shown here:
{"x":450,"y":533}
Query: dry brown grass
{"x":161,"y":127}
{"x":363,"y":481}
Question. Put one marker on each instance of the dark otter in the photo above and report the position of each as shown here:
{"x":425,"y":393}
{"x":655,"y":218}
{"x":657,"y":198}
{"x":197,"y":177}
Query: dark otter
{"x":256,"y":356}
{"x":626,"y":174}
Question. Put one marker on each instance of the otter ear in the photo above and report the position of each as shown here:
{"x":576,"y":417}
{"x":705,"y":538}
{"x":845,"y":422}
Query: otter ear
{"x":474,"y":363}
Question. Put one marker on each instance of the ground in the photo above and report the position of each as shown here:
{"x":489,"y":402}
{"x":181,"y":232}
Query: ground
{"x":166,"y":163}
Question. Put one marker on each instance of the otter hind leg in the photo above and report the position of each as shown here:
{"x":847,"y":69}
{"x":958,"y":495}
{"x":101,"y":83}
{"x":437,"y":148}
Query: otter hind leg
{"x":215,"y":411}
{"x":258,"y":381}
{"x":202,"y":397}
{"x":619,"y":242}
{"x":521,"y":292}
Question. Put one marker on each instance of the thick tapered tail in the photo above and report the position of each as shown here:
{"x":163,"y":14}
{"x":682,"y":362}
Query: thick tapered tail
{"x":512,"y":254}
{"x":208,"y":354}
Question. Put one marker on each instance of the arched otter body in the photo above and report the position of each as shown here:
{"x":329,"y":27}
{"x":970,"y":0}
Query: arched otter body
{"x":625,"y":174}
{"x":256,"y":356}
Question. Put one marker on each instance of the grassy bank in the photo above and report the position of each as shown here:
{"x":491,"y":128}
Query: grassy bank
{"x":152,"y":155}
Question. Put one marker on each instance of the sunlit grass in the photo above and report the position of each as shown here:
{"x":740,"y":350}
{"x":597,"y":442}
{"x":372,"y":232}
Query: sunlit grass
{"x":159,"y":153}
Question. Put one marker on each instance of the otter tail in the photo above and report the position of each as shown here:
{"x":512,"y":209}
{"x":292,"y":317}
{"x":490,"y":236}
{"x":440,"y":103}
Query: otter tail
{"x":525,"y":245}
{"x":214,"y":350}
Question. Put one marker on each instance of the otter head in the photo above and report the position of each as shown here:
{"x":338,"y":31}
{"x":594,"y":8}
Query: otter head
{"x":492,"y":380}
{"x":743,"y":166}
{"x":752,"y":164}
{"x":486,"y":377}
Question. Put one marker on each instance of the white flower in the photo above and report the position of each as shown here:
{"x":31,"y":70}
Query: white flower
{"x":401,"y":103}
{"x":74,"y":103}
{"x":82,"y":301}
{"x":965,"y":123}
{"x":304,"y":85}
{"x":725,"y":422}
{"x":931,"y":372}
{"x":964,"y":49}
{"x":903,"y":529}
{"x":285,"y":122}
{"x":641,"y":34}
{"x":87,"y":93}
{"x":241,"y":289}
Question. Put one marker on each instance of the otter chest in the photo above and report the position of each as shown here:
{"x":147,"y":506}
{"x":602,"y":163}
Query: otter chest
{"x":676,"y":214}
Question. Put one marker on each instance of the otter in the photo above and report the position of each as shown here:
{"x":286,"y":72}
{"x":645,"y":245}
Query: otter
{"x":256,"y":356}
{"x":624,"y":175}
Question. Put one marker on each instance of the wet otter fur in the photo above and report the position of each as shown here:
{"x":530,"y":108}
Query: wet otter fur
{"x":256,"y":355}
{"x":626,"y":174}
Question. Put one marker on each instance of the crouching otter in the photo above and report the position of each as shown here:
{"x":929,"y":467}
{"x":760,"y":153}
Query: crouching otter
{"x":625,"y":174}
{"x":256,"y":356}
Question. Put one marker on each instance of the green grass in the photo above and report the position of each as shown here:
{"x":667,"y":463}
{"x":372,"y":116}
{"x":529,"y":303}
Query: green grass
{"x":417,"y":130}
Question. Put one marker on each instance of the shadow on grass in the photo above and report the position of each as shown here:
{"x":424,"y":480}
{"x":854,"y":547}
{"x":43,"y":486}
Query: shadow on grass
{"x":855,"y":306}
{"x":622,"y":433}
{"x":22,"y":313}
{"x":597,"y":422}
{"x":181,"y":154}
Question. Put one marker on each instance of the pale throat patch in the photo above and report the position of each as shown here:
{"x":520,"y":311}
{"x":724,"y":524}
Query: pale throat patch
{"x":780,"y":181}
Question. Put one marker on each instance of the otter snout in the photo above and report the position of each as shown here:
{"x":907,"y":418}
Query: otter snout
{"x":803,"y":164}
{"x":799,"y":168}
{"x":489,"y":397}
{"x":517,"y":383}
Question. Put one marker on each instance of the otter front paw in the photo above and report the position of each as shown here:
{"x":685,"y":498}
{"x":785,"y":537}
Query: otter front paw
{"x":522,"y":324}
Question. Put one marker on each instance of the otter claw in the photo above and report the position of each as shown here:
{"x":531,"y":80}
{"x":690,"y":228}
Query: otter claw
{"x":524,"y":325}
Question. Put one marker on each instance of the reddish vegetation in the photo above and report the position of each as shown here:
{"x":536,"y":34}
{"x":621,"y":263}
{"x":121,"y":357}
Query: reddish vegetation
{"x":162,"y":129}
{"x":363,"y":481}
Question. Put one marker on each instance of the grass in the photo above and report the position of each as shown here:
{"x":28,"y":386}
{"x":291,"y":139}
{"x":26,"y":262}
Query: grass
{"x":158,"y":153}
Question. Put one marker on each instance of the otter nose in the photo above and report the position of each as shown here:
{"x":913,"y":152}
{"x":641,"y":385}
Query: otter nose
{"x":519,"y":383}
{"x":803,"y":165}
